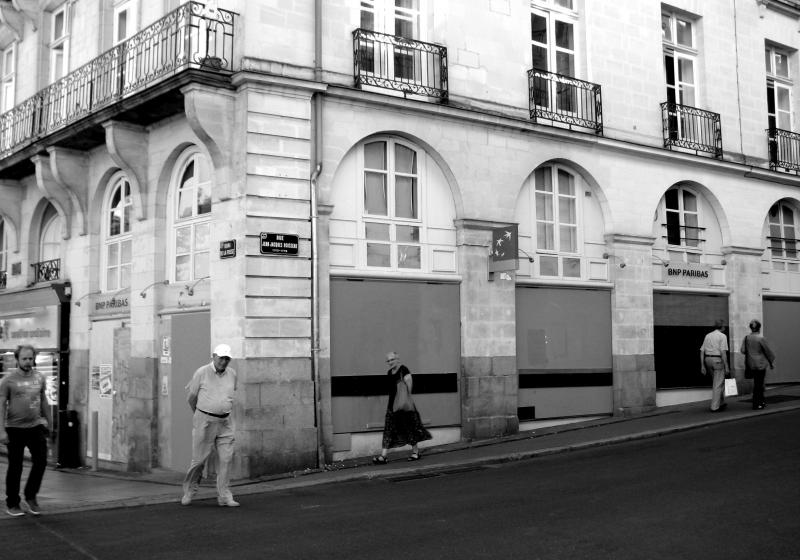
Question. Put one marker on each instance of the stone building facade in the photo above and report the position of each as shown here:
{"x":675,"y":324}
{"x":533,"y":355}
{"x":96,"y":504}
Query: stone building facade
{"x":160,"y":161}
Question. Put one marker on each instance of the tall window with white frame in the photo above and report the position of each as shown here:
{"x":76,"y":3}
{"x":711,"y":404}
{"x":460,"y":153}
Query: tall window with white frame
{"x":391,"y":219}
{"x":3,"y":252}
{"x":779,"y":89}
{"x":400,"y":18}
{"x":680,"y":61}
{"x":783,"y":237}
{"x":557,"y":227}
{"x":117,"y":236}
{"x":124,"y":20}
{"x":192,"y":218}
{"x":59,"y":42}
{"x":682,"y":225}
{"x":553,"y":50}
{"x":9,"y":74}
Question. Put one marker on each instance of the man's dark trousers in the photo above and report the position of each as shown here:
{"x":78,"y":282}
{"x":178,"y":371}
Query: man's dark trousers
{"x":35,"y":439}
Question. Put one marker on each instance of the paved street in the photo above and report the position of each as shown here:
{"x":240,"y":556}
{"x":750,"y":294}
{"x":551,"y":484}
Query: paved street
{"x":725,"y":491}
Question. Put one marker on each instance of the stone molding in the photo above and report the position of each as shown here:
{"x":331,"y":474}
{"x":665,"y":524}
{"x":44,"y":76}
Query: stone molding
{"x":70,"y":170}
{"x":127,"y":145}
{"x":742,"y":250}
{"x":53,"y":192}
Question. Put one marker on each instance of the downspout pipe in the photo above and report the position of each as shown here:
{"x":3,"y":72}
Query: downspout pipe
{"x":316,"y":165}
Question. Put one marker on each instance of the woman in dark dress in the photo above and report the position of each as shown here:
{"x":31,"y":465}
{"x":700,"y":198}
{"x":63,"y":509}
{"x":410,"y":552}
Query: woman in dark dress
{"x":403,"y":427}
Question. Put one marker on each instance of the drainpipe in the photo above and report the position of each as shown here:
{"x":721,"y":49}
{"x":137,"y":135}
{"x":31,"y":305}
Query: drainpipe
{"x":316,"y":165}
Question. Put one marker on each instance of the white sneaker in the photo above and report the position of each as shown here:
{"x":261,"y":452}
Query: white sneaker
{"x":228,"y":502}
{"x":186,"y":499}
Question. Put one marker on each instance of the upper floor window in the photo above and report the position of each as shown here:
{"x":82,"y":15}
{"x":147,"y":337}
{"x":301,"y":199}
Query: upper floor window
{"x":779,"y":89}
{"x":191,"y":215}
{"x":682,"y":225}
{"x":117,"y":236}
{"x":392,"y":221}
{"x":124,"y":20}
{"x":50,"y":239}
{"x":393,"y":17}
{"x":59,"y":42}
{"x":9,"y":73}
{"x":783,"y":237}
{"x":680,"y":58}
{"x":553,"y":38}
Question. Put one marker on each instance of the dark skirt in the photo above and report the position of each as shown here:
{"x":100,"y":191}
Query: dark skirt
{"x":403,"y":427}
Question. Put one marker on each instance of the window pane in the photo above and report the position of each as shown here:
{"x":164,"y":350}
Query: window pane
{"x":572,"y":268}
{"x":539,"y":57}
{"x":201,"y":265}
{"x":182,"y":270}
{"x":375,"y":155}
{"x":188,"y":173}
{"x":183,"y":240}
{"x":781,"y":65}
{"x":126,"y":218}
{"x":122,"y":25}
{"x":404,"y":28}
{"x":565,"y":64}
{"x":673,"y":228}
{"x":114,"y":225}
{"x":693,"y":257}
{"x":786,"y":213}
{"x":203,"y":198}
{"x":685,"y":71}
{"x":568,"y":239}
{"x":689,"y":202}
{"x":566,"y":210}
{"x":111,"y":278}
{"x":773,"y":212}
{"x":564,"y":38}
{"x":185,"y":203}
{"x":375,"y":193}
{"x":544,"y":207}
{"x":564,"y":4}
{"x":783,"y":99}
{"x":125,"y":276}
{"x":408,"y":256}
{"x":684,"y":29}
{"x":544,"y":237}
{"x":112,"y":254}
{"x":405,"y":197}
{"x":666,"y":28}
{"x":538,"y":29}
{"x":672,"y":199}
{"x":378,"y":232}
{"x":407,"y":234}
{"x":548,"y":266}
{"x":201,"y":236}
{"x":543,"y":179}
{"x":768,"y":60}
{"x":405,"y":160}
{"x":378,"y":254}
{"x":367,"y":20}
{"x":58,"y":25}
{"x":125,"y":254}
{"x":566,"y":183}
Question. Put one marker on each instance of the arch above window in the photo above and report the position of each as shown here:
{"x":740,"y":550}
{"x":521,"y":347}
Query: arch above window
{"x":190,"y":217}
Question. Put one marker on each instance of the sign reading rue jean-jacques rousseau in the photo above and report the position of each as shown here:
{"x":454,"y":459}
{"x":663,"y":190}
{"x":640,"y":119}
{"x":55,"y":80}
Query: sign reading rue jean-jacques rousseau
{"x":279,"y":244}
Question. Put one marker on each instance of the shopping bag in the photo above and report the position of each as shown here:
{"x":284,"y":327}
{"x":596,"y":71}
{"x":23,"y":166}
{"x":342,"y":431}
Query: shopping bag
{"x":402,"y":398}
{"x":730,"y":388}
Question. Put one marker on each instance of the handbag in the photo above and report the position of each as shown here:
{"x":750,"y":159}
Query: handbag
{"x":730,"y":388}
{"x":402,"y":398}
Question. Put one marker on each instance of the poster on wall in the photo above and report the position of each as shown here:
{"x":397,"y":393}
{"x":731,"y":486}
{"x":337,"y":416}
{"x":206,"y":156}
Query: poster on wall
{"x":106,"y":384}
{"x":94,"y":378}
{"x":51,"y":389}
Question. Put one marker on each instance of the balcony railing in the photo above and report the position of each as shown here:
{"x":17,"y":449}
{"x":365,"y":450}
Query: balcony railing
{"x":400,"y":64}
{"x":3,"y":279}
{"x":691,"y":128}
{"x":46,"y":271}
{"x":189,"y":37}
{"x":564,"y":99}
{"x":784,"y":150}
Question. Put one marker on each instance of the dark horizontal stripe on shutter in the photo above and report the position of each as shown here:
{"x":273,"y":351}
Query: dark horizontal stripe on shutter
{"x":375,"y":385}
{"x":542,"y":379}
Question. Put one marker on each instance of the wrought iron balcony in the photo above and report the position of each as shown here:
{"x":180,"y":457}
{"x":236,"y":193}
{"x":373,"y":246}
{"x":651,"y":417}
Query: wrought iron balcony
{"x":189,"y":37}
{"x":3,"y":279}
{"x":564,"y":99}
{"x":691,"y":128}
{"x":46,"y":271}
{"x":784,"y":150}
{"x":396,"y":63}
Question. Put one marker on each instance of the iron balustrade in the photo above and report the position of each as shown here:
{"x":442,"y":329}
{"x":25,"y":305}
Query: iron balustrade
{"x":400,"y":64}
{"x":691,"y":128}
{"x":784,"y":149}
{"x":3,"y":279}
{"x":188,"y":37}
{"x":564,"y":99}
{"x":46,"y":271}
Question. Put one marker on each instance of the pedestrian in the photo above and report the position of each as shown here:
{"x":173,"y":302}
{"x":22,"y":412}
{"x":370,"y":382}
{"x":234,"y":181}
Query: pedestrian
{"x":757,"y":354}
{"x":24,"y":422}
{"x":210,"y":394}
{"x":714,"y":359}
{"x":401,"y":427}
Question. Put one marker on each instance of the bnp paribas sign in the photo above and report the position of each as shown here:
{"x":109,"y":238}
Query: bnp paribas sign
{"x":687,"y":274}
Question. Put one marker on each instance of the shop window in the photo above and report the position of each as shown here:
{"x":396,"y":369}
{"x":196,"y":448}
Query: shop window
{"x":391,"y":218}
{"x":191,"y":216}
{"x":782,"y":239}
{"x":681,"y":225}
{"x":117,"y":236}
{"x":779,"y":89}
{"x":556,"y":216}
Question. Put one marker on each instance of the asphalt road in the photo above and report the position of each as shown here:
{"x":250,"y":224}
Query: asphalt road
{"x":729,"y":491}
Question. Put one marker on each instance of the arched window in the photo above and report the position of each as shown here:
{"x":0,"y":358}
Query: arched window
{"x":3,"y":245}
{"x":191,"y":215}
{"x":117,"y":238}
{"x":556,"y":215}
{"x":50,"y":239}
{"x":783,"y":237}
{"x":682,"y":225}
{"x":392,"y":221}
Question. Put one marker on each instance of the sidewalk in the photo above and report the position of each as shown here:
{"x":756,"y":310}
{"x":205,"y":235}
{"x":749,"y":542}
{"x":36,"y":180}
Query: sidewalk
{"x":66,"y":490}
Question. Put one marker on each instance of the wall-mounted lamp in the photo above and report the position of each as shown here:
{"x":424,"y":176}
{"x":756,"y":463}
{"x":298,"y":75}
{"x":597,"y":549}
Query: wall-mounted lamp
{"x":662,"y":261}
{"x":622,"y":263}
{"x":724,"y":262}
{"x":530,"y":258}
{"x":84,"y":296}
{"x":143,"y":293}
{"x":190,"y":289}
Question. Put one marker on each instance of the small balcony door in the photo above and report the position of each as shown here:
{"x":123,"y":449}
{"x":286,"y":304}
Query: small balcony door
{"x":401,"y":19}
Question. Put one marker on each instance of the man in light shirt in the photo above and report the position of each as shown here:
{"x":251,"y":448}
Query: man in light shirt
{"x":210,"y":395}
{"x":714,"y":359}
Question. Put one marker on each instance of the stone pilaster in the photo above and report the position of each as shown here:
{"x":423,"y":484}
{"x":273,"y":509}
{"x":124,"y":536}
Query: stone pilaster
{"x":323,"y":312}
{"x":489,"y":380}
{"x":630,"y":262}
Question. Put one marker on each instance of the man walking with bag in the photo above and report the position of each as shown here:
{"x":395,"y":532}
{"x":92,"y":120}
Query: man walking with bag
{"x":210,"y":395}
{"x":714,"y":359}
{"x":24,"y":422}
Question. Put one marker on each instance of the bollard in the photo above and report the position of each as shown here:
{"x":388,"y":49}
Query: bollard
{"x":95,"y":440}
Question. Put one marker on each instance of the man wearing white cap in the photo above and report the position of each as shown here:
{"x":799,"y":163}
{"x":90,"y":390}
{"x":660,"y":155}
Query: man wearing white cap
{"x":210,"y":394}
